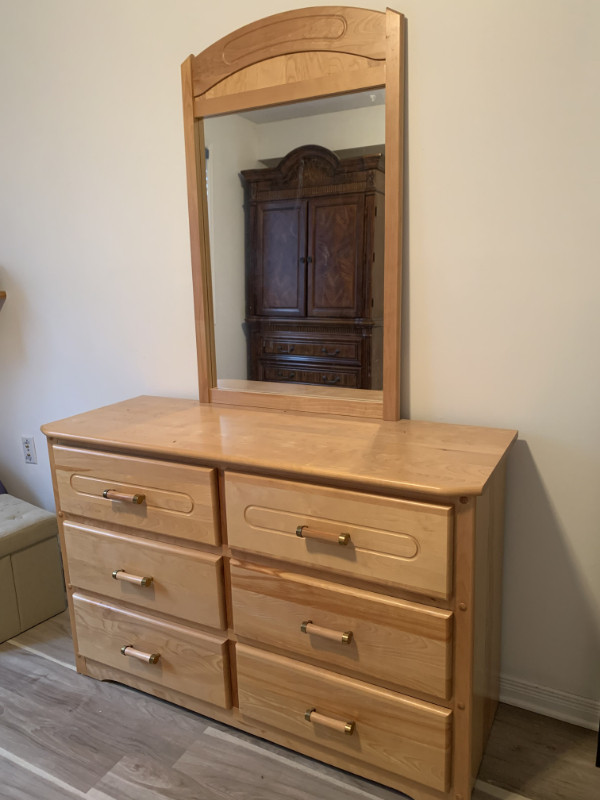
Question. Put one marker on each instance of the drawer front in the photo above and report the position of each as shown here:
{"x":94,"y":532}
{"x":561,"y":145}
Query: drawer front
{"x":384,"y":638}
{"x":190,"y":662}
{"x":324,"y":348}
{"x":407,"y":737}
{"x":178,"y":500}
{"x":389,"y":541}
{"x":185,"y":583}
{"x":288,"y":372}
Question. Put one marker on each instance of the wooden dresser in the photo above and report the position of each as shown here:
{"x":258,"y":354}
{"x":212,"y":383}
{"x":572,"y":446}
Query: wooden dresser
{"x":314,"y":282}
{"x":330,"y":584}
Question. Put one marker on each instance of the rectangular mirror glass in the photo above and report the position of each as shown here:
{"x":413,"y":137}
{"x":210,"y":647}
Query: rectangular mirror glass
{"x":296,"y":224}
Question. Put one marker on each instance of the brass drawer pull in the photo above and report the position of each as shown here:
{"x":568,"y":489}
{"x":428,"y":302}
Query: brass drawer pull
{"x":326,"y":633}
{"x":327,"y":352}
{"x":121,"y":575}
{"x":330,"y":381}
{"x":136,"y":499}
{"x":147,"y":658}
{"x":312,"y":715}
{"x":304,"y":532}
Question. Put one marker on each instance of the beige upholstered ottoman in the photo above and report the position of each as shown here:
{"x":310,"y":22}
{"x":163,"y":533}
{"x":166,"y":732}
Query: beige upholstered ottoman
{"x":31,"y":581}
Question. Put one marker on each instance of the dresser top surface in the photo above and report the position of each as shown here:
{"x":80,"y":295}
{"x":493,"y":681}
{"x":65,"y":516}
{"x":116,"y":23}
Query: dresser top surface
{"x":410,"y":456}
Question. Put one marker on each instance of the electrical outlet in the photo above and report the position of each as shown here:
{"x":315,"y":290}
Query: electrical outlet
{"x":29,"y":449}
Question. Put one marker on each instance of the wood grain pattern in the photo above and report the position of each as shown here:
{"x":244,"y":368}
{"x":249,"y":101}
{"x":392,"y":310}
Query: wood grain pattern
{"x":278,"y":247}
{"x":394,"y":213}
{"x":335,"y":246}
{"x":181,"y":501}
{"x":289,"y":69}
{"x":394,"y":641}
{"x":423,"y":458}
{"x":186,"y":583}
{"x":487,"y":621}
{"x":191,"y":662}
{"x":392,"y":541}
{"x":199,"y":239}
{"x":274,"y":95}
{"x":337,"y":29}
{"x":393,"y":732}
{"x":361,"y":403}
{"x":107,"y":741}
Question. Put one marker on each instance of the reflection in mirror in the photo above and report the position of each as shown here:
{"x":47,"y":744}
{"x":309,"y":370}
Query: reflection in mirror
{"x":296,"y":221}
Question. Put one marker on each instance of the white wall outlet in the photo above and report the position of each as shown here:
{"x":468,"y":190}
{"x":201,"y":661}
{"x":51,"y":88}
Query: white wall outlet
{"x":29,"y":449}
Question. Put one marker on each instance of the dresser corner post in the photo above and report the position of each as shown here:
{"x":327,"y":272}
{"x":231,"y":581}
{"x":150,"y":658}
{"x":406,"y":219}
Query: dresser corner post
{"x":464,"y":613}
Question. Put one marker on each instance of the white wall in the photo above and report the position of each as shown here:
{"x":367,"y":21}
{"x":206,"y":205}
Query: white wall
{"x":356,"y":127}
{"x":232,"y":145}
{"x":502,"y":255}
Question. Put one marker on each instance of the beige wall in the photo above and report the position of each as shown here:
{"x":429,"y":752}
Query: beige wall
{"x":502,"y":281}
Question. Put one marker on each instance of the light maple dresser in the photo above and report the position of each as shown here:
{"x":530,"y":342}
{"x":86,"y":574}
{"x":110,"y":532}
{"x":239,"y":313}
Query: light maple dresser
{"x":296,"y":561}
{"x":332,"y":585}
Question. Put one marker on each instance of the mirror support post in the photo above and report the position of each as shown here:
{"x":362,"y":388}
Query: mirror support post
{"x":200,"y":252}
{"x":394,"y":217}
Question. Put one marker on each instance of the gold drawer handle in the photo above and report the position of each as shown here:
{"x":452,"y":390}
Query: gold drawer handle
{"x":147,"y":658}
{"x":304,"y":532}
{"x":312,"y":715}
{"x":326,"y":633}
{"x":136,"y":499}
{"x":138,"y":580}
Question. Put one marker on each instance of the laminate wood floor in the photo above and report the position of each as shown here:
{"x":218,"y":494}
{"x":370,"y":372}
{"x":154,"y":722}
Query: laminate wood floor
{"x":64,"y":736}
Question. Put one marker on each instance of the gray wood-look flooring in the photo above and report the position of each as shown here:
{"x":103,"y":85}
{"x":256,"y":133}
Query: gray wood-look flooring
{"x":65,"y":736}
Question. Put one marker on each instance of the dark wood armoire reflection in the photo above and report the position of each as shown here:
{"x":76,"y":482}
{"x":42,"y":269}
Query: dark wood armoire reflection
{"x":314,"y":280}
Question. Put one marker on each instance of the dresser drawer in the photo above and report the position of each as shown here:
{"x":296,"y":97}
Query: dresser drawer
{"x":178,"y":500}
{"x":184,"y":583}
{"x":324,"y":348}
{"x":190,"y":662}
{"x":407,"y":737}
{"x":286,"y":371}
{"x":384,"y":638}
{"x":383,"y":539}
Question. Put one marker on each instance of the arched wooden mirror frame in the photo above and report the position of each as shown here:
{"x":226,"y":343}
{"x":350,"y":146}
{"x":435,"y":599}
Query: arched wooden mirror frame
{"x":298,"y":55}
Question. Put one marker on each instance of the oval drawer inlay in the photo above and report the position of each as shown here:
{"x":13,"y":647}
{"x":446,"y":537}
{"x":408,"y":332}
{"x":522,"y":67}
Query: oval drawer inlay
{"x":390,"y":541}
{"x":175,"y":499}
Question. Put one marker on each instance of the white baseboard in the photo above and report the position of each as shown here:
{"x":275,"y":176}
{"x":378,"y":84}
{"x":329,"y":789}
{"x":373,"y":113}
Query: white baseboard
{"x":571,"y":708}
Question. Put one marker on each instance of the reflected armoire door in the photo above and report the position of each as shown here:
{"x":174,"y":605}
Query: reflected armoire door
{"x":335,"y":256}
{"x":281,"y":258}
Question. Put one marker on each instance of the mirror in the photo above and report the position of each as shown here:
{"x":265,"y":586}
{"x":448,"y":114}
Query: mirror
{"x":281,"y":315}
{"x":293,"y":227}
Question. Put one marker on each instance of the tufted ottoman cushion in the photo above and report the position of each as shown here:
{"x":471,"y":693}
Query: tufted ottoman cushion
{"x":31,"y":582}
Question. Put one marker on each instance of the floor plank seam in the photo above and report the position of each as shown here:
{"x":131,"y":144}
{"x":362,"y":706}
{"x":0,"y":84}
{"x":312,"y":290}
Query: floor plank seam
{"x":15,"y":643}
{"x":348,"y":787}
{"x":47,"y":776}
{"x":498,"y":792}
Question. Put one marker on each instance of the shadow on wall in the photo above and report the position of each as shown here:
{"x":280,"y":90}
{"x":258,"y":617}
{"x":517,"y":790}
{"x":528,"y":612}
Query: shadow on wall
{"x":11,"y":327}
{"x":13,"y":357}
{"x":551,"y":625}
